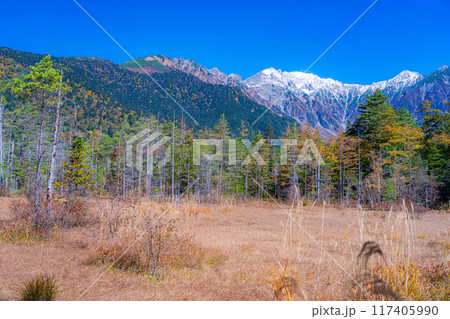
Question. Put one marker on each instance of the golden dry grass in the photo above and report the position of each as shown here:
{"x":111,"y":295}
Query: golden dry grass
{"x":237,"y":249}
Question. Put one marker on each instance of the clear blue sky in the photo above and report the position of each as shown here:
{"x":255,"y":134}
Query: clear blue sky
{"x":242,"y":37}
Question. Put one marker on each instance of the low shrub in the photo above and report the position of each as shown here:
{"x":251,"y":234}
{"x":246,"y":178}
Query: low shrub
{"x":24,"y":227}
{"x":182,"y":252}
{"x":117,"y":255}
{"x":305,"y":201}
{"x":20,"y":209}
{"x":71,"y":213}
{"x":21,"y":228}
{"x":20,"y":232}
{"x":159,"y":249}
{"x":193,"y":210}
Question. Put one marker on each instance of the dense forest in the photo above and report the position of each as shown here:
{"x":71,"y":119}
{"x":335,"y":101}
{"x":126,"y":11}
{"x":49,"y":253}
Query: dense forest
{"x":61,"y":141}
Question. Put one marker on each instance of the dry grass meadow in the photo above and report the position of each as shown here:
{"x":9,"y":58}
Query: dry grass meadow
{"x":245,"y":251}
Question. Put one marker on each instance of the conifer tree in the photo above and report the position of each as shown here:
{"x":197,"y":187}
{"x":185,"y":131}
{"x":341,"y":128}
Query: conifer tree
{"x":77,"y":172}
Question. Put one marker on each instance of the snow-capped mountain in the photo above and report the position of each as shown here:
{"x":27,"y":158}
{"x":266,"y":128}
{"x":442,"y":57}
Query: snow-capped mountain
{"x":329,"y":104}
{"x":324,"y":103}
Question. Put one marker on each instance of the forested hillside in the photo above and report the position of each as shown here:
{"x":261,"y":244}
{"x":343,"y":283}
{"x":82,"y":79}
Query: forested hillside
{"x":107,"y":93}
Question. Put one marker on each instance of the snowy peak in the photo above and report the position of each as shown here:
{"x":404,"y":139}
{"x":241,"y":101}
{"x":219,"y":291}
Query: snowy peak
{"x":408,"y":76}
{"x":301,"y":80}
{"x":402,"y":80}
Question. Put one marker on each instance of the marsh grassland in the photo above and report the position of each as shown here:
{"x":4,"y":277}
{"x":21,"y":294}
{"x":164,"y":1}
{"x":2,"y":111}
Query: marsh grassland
{"x":125,"y":250}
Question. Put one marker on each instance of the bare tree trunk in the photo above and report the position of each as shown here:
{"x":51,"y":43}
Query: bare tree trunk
{"x":173,"y":157}
{"x":37,"y":175}
{"x":117,"y":191}
{"x":1,"y":138}
{"x":410,"y":179}
{"x":341,"y":183}
{"x":426,"y":186}
{"x":124,"y":175}
{"x":359,"y":171}
{"x":381,"y":176}
{"x":305,"y":181}
{"x":246,"y":186}
{"x":51,"y":176}
{"x":9,"y":160}
{"x":139,"y":182}
{"x":8,"y":167}
{"x":318,"y":180}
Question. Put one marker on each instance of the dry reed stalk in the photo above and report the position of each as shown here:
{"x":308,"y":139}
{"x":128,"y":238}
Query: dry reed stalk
{"x":285,"y":283}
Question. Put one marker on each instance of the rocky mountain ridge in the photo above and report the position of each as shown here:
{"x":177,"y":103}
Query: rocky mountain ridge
{"x":324,"y":103}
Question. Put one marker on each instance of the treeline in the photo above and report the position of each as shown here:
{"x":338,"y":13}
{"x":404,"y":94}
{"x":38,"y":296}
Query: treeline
{"x":383,"y":157}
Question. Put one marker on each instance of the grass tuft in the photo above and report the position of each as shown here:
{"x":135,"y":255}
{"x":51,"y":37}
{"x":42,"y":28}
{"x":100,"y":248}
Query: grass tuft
{"x":415,"y":283}
{"x":285,"y":283}
{"x":42,"y":288}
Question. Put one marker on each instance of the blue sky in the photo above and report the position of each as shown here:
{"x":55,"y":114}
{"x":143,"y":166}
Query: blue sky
{"x":242,"y":37}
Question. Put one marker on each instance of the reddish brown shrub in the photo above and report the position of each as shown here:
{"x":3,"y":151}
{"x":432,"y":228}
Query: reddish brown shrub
{"x":20,"y":209}
{"x":71,"y":213}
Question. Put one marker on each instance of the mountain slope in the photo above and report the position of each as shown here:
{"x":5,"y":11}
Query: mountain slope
{"x":434,"y":87}
{"x":162,"y":64}
{"x":134,"y":92}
